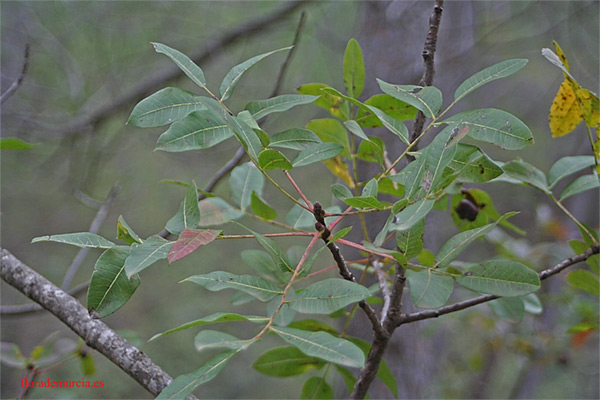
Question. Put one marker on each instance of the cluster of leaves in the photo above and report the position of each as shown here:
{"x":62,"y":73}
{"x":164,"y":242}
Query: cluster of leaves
{"x":435,"y":178}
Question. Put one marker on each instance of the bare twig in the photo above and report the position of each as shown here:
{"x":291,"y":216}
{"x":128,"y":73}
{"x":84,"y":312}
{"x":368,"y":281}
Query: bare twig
{"x":153,"y":83}
{"x":428,"y":63}
{"x":421,"y":315}
{"x":94,"y":332}
{"x":17,"y":82}
{"x":94,"y":228}
{"x":284,"y":66}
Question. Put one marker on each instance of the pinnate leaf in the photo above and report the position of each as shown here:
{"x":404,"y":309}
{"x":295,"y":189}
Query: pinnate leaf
{"x":496,"y":71}
{"x":286,"y":361}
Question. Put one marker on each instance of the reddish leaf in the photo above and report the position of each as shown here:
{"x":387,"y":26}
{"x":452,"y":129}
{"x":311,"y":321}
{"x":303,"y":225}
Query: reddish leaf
{"x":580,"y":337}
{"x":188,"y":241}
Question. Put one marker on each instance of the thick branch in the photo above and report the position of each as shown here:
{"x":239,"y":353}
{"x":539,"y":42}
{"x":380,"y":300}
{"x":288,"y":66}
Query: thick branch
{"x":155,"y":82}
{"x":94,"y":332}
{"x":421,"y":315}
{"x":428,"y":64}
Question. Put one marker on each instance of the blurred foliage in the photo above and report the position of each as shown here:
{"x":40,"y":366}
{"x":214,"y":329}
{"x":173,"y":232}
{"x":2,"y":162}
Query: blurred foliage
{"x":84,"y":55}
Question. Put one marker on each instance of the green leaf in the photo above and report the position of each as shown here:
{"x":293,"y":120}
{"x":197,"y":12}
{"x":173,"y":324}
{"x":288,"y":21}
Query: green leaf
{"x":395,"y":108}
{"x":212,"y":319}
{"x":509,"y":308}
{"x":473,"y":165}
{"x":286,"y":361}
{"x":188,"y":67}
{"x":526,"y":173}
{"x":216,"y":211}
{"x":567,"y":166}
{"x":581,"y":184}
{"x":274,"y":251}
{"x":458,"y":243}
{"x":427,"y":99}
{"x":429,"y":289}
{"x":330,"y":131}
{"x":496,"y":71}
{"x":164,"y":107}
{"x":109,"y":287}
{"x":82,"y":239}
{"x":584,"y":280}
{"x":262,"y":108}
{"x":86,"y":361}
{"x":410,"y":241}
{"x":264,"y":265}
{"x":246,"y":136}
{"x":269,"y":159}
{"x":209,"y":339}
{"x":493,"y":126}
{"x":438,"y":154}
{"x":355,"y":128}
{"x":341,"y":192}
{"x":198,"y":130}
{"x":147,"y":253}
{"x":189,"y":241}
{"x":260,"y":208}
{"x":15,"y":144}
{"x":335,"y":104}
{"x":252,"y":285}
{"x":125,"y":233}
{"x":364,"y":202}
{"x":583,"y":327}
{"x":234,"y":75}
{"x":370,"y":188}
{"x":243,"y":180}
{"x":323,"y":345}
{"x":396,"y":127}
{"x":188,"y":215}
{"x":372,"y":150}
{"x":316,"y":153}
{"x":533,"y":304}
{"x":327,"y":296}
{"x":295,"y":139}
{"x":184,"y":385}
{"x":501,"y":278}
{"x":412,"y":214}
{"x":354,"y":69}
{"x":316,"y":388}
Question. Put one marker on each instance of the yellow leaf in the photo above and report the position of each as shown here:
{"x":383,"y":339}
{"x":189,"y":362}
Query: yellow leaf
{"x":565,"y":114}
{"x":588,"y":104}
{"x":561,"y":55}
{"x":340,"y":169}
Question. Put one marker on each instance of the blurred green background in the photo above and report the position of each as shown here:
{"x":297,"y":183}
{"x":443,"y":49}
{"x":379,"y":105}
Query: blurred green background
{"x":86,"y":56}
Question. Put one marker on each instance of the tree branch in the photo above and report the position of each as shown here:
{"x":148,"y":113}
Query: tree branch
{"x":94,"y":332}
{"x":17,"y":82}
{"x":421,"y":315}
{"x":155,"y":82}
{"x":428,"y":63}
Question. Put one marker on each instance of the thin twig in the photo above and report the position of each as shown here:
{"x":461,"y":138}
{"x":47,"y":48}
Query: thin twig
{"x":17,"y":82}
{"x":94,"y":228}
{"x":284,"y":66}
{"x":421,"y":315}
{"x":429,"y":67}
